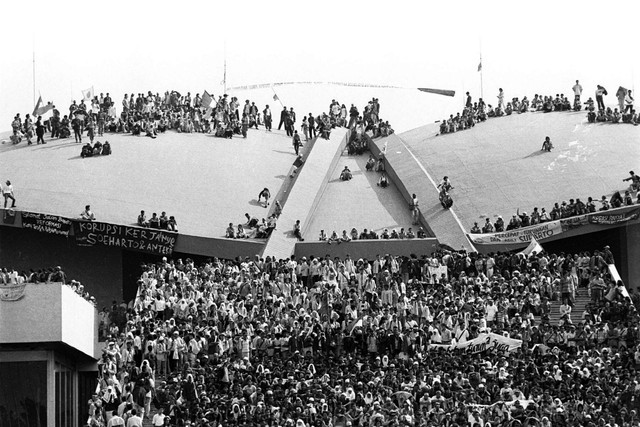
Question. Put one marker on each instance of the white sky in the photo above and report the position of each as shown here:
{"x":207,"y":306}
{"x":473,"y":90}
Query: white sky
{"x":135,"y":46}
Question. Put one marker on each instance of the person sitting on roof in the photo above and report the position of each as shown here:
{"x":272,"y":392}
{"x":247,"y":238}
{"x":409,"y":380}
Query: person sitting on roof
{"x":346,"y":175}
{"x":231,"y":232}
{"x":475,"y":229}
{"x":383,"y":181}
{"x":87,"y":215}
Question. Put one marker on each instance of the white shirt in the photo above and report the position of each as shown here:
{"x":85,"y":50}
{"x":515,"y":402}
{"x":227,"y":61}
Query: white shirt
{"x":158,"y":420}
{"x":7,"y":189}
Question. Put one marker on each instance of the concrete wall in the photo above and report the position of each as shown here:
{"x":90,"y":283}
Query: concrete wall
{"x":374,"y":146}
{"x":48,"y":313}
{"x":367,"y":248}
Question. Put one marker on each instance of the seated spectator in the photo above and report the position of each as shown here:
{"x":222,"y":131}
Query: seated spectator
{"x":499,"y":225}
{"x":487,"y":228}
{"x":605,"y":204}
{"x":616,"y":200}
{"x":97,"y":148}
{"x":154,"y":221}
{"x":475,"y":229}
{"x":230,"y":232}
{"x":252,"y":222}
{"x":173,"y":224}
{"x":345,"y":237}
{"x":87,"y":215}
{"x":164,"y":221}
{"x":354,"y":234}
{"x":323,"y":236}
{"x":421,"y":233}
{"x":106,"y":148}
{"x":346,"y":175}
{"x":142,"y":220}
{"x":546,"y":144}
{"x":240,"y":234}
{"x":410,"y":233}
{"x":333,"y":238}
{"x":370,"y":164}
{"x":383,"y":181}
{"x":87,"y":150}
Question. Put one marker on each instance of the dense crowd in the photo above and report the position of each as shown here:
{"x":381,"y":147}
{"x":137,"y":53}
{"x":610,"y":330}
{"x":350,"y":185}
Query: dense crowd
{"x":339,"y":342}
{"x":564,"y":210}
{"x":480,"y":111}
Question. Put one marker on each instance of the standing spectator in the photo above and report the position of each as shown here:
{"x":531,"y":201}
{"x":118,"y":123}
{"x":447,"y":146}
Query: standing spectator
{"x":621,"y":95}
{"x":7,"y":192}
{"x":296,"y":142}
{"x":305,"y":128}
{"x":283,"y":117}
{"x":601,"y":92}
{"x":312,"y":126}
{"x":468,"y":104}
{"x":415,"y":210}
{"x":501,"y":99}
{"x":40,"y":131}
{"x":266,"y":114}
{"x":577,"y":91}
{"x":297,"y":231}
{"x":628,"y":102}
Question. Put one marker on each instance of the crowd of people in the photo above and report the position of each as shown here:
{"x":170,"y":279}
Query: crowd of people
{"x":480,"y":111}
{"x":10,"y":276}
{"x":162,"y":222}
{"x":98,"y":149}
{"x":339,"y":342}
{"x":564,"y":210}
{"x":366,"y":234}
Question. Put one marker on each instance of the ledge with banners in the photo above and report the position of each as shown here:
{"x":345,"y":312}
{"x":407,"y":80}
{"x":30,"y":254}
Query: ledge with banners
{"x":557,"y":229}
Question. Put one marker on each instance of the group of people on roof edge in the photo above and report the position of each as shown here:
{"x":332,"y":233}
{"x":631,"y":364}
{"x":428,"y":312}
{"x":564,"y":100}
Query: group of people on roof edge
{"x":479,"y":111}
{"x":564,"y":210}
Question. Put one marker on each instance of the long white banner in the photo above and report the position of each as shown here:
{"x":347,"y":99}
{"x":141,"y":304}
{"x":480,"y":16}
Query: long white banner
{"x":484,"y":342}
{"x":520,"y":235}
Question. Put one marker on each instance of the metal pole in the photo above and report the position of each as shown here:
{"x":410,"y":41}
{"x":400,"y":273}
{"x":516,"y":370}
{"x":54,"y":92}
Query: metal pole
{"x":34,"y":76}
{"x":481,"y":86}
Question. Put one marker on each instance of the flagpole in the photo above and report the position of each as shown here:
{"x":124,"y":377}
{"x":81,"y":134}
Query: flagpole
{"x":481,"y":85}
{"x":224,"y":78}
{"x":34,"y":75}
{"x":277,"y":97}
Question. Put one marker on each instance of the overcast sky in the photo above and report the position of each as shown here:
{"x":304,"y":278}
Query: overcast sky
{"x":134,"y":46}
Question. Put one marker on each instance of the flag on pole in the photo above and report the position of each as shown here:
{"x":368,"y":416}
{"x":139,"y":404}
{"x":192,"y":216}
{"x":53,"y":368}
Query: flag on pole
{"x":533,"y":246}
{"x":206,"y":99}
{"x":38,"y":106}
{"x":87,"y":94}
{"x":41,"y":109}
{"x":275,"y":97}
{"x":480,"y":66}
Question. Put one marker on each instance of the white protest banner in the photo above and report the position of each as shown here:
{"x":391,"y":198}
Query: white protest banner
{"x":482,"y":343}
{"x":520,"y":235}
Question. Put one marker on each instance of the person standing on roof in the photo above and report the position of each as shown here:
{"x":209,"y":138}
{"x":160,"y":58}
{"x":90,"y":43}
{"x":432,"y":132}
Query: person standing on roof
{"x":577,"y":91}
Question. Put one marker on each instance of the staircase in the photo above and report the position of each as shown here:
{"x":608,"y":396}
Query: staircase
{"x":579,"y":305}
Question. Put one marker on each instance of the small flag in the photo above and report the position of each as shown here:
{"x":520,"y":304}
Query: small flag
{"x":38,"y":106}
{"x":41,"y":109}
{"x":87,"y":94}
{"x":275,"y":97}
{"x":206,"y":99}
{"x":480,"y":66}
{"x":534,"y":246}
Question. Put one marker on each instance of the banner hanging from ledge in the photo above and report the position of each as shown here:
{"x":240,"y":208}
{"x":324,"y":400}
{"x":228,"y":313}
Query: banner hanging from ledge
{"x":91,"y":233}
{"x":43,"y":223}
{"x":520,"y":235}
{"x":614,"y":218}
